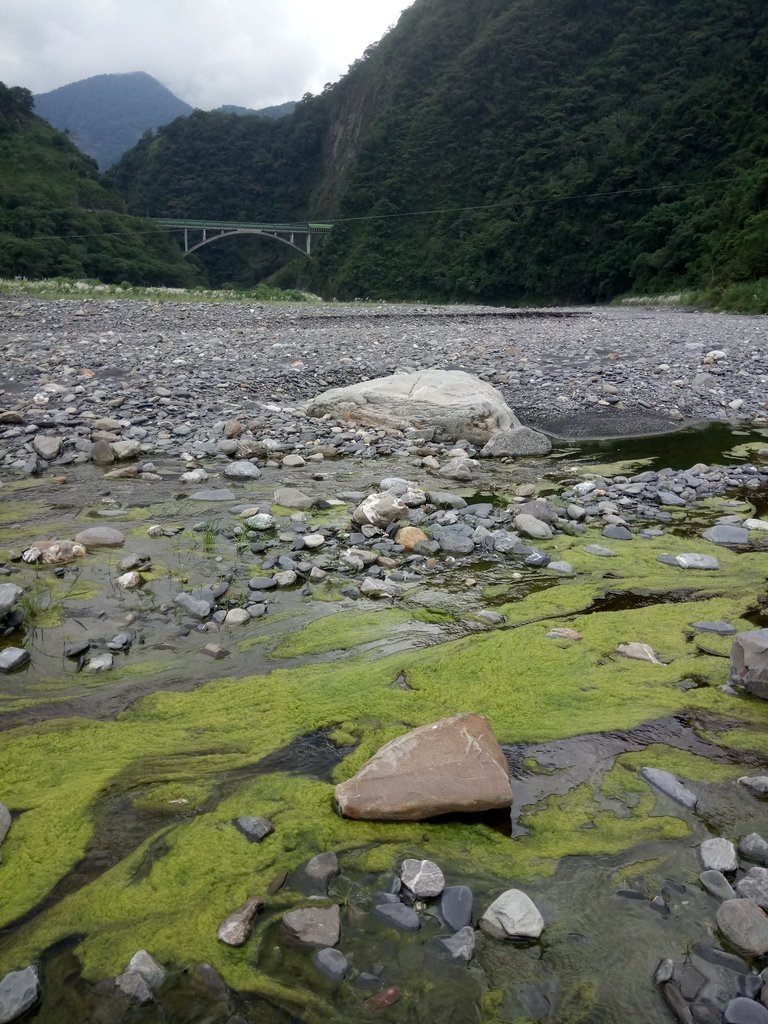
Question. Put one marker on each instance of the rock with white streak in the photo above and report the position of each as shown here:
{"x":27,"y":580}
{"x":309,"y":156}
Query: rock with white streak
{"x":423,"y":877}
{"x":452,"y":766}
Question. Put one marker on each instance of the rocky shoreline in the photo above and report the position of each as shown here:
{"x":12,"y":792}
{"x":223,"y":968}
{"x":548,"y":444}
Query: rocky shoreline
{"x":171,"y":506}
{"x":166,"y":378}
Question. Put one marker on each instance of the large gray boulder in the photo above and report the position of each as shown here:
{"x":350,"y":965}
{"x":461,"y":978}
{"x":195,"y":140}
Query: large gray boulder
{"x":451,"y":766}
{"x":456,"y":404}
{"x":18,"y":991}
{"x":749,"y":662}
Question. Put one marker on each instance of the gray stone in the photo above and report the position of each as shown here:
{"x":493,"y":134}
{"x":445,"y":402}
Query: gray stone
{"x":745,"y":926}
{"x":371,"y":587}
{"x":322,"y":868}
{"x":332,"y":963}
{"x":236,"y":928}
{"x":100,"y":663}
{"x":693,"y":560}
{"x":135,"y":987}
{"x":517,"y":441}
{"x":719,"y":628}
{"x":755,"y":848}
{"x":756,"y":784}
{"x":151,"y":971}
{"x":513,"y":915}
{"x":423,"y":877}
{"x":100,"y":537}
{"x":123,"y":450}
{"x":561,"y":567}
{"x":456,"y":906}
{"x":664,"y":971}
{"x":291,"y":497}
{"x":745,"y":1011}
{"x":459,"y":468}
{"x":254,"y":829}
{"x":286,"y":578}
{"x":718,"y":855}
{"x":198,"y":608}
{"x":242,"y":470}
{"x":12,"y":658}
{"x":293,"y":461}
{"x":314,"y":926}
{"x":18,"y":991}
{"x":749,"y":662}
{"x":397,"y":915}
{"x":460,"y":946}
{"x":236,"y":617}
{"x":599,"y":551}
{"x":5,"y":822}
{"x":453,"y":403}
{"x":262,"y":522}
{"x":727,"y":535}
{"x":666,"y":783}
{"x":379,"y":510}
{"x":102,"y":454}
{"x":213,"y":494}
{"x":617,"y":532}
{"x":9,"y":595}
{"x":670,"y":498}
{"x":46,"y":447}
{"x":717,"y":885}
{"x":754,"y":886}
{"x":532,"y":527}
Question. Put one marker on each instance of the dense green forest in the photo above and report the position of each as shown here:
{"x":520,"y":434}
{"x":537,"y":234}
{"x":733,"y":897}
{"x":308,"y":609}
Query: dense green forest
{"x":59,"y":218}
{"x":571,"y":150}
{"x":500,"y":151}
{"x":107,"y":114}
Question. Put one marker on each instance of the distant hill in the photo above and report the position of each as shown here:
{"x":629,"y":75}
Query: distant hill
{"x":107,"y":114}
{"x":281,"y":110}
{"x":60,"y":218}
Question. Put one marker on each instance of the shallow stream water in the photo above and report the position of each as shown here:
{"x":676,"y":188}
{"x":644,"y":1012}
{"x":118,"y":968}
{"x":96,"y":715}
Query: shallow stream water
{"x":128,"y":796}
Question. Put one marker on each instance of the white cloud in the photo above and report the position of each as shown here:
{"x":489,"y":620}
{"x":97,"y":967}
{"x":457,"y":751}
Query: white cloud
{"x":249,"y":52}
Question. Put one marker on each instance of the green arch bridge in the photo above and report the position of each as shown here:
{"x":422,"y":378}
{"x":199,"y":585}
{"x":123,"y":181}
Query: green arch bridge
{"x":198,"y":233}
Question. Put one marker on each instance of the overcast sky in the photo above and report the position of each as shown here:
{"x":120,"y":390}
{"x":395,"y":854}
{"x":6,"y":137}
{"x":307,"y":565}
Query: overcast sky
{"x":209,"y":52}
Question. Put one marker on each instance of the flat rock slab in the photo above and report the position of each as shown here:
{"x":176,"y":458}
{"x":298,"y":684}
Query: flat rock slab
{"x":452,"y":766}
{"x":719,"y":628}
{"x":666,"y":783}
{"x":213,"y":494}
{"x":254,"y":829}
{"x":693,"y":560}
{"x":314,"y":926}
{"x":454,"y":404}
{"x":100,"y":537}
{"x":727,"y":535}
{"x":745,"y":926}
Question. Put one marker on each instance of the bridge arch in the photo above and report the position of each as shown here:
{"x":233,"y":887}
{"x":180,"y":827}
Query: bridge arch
{"x":295,"y":236}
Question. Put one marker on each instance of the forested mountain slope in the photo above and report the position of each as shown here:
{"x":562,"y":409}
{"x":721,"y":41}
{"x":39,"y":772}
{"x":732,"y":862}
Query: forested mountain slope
{"x":107,"y":114}
{"x":59,"y":218}
{"x":572,"y":150}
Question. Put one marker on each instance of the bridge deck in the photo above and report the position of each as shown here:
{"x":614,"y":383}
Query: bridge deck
{"x":231,"y":225}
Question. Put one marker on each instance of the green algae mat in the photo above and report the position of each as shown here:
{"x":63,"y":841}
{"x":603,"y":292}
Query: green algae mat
{"x":123,"y":833}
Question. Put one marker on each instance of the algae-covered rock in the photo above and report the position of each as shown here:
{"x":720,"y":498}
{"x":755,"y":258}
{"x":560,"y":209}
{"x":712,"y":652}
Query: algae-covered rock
{"x":451,"y":766}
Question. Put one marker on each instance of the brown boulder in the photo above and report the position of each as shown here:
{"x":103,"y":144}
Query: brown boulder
{"x":410,"y":536}
{"x":451,"y":766}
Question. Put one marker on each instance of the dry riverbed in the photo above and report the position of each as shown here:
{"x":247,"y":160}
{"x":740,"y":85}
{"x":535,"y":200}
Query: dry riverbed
{"x":268,"y":644}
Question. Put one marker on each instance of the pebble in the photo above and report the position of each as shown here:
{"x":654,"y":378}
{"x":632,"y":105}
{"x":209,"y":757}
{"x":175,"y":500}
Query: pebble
{"x":717,"y":884}
{"x":398,"y":916}
{"x":755,"y":848}
{"x":236,"y":928}
{"x":100,"y":537}
{"x":254,"y":829}
{"x":745,"y":1011}
{"x":331,"y":963}
{"x":512,"y":915}
{"x":12,"y":658}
